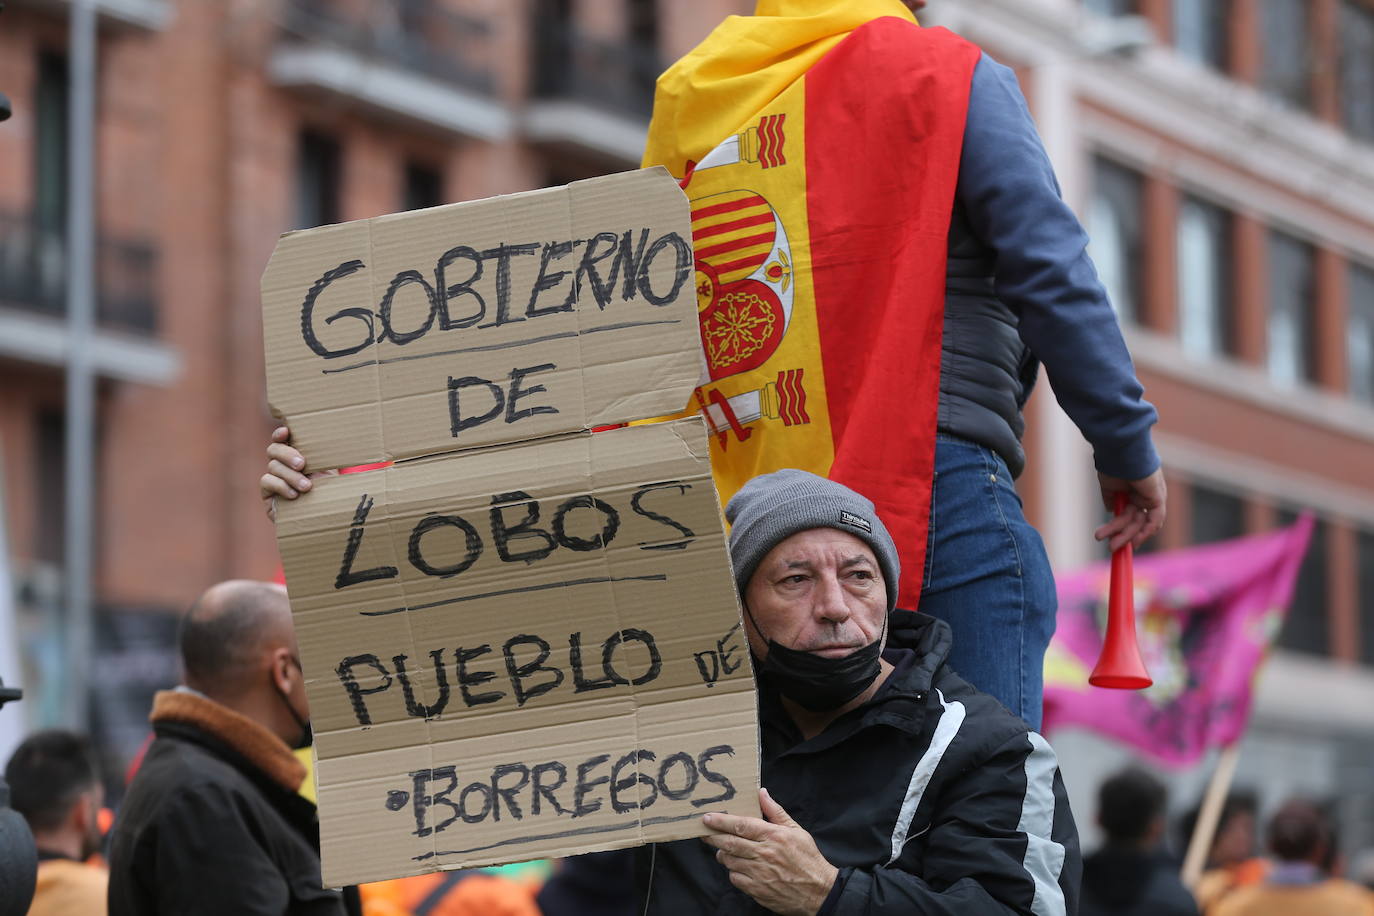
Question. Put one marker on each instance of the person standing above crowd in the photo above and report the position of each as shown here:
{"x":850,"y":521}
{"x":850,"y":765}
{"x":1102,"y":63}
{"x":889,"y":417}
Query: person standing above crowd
{"x":1299,"y":838}
{"x":55,"y":785}
{"x":931,"y":136}
{"x":1130,"y":875}
{"x":213,"y":822}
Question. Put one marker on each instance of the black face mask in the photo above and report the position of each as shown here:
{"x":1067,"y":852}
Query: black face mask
{"x":307,"y":733}
{"x":815,"y":682}
{"x":818,"y":683}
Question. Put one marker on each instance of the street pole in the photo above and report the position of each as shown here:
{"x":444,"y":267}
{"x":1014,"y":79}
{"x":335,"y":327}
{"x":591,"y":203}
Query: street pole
{"x":80,"y":421}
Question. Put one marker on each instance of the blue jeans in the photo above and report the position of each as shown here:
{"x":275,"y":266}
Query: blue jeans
{"x":988,"y":577}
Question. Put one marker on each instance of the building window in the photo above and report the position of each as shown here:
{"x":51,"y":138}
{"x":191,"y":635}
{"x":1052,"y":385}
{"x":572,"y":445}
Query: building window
{"x":1291,"y":270}
{"x":50,"y":473}
{"x":1200,"y":31}
{"x":1204,"y":288}
{"x":1357,"y":69}
{"x":1286,"y":46}
{"x":424,"y":187}
{"x":1115,"y":234}
{"x":1307,"y":629}
{"x":317,"y":180}
{"x":1217,"y":516}
{"x":51,"y":97}
{"x":1360,"y":333}
{"x":644,"y":22}
{"x":1364,"y":553}
{"x":1111,"y":7}
{"x":36,"y":264}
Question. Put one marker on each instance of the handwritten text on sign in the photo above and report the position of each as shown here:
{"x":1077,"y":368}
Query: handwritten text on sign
{"x":501,"y":673}
{"x":522,"y":639}
{"x":484,"y":322}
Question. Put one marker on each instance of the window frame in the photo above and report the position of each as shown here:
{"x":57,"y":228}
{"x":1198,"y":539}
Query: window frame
{"x":1302,"y":312}
{"x":1217,"y":55}
{"x":1360,"y":317}
{"x":1112,"y":183}
{"x":1356,"y":110}
{"x":1223,"y":291}
{"x":319,"y":163}
{"x":1290,"y":85}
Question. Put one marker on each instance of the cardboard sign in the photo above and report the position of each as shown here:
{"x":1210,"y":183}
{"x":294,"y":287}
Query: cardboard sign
{"x":524,"y":641}
{"x":484,"y":322}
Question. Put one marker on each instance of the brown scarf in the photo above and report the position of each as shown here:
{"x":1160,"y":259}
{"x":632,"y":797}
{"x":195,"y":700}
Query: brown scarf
{"x":263,"y":749}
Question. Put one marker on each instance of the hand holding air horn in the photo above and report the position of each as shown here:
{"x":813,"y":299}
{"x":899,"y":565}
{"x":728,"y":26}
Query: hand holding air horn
{"x":1120,"y":664}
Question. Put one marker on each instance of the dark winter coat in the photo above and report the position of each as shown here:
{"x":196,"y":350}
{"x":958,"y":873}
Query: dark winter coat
{"x":930,"y":798}
{"x":210,"y":825}
{"x":1021,"y":290}
{"x":1124,"y":882}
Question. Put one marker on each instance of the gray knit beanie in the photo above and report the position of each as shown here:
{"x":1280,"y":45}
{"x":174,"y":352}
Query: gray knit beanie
{"x":773,"y":507}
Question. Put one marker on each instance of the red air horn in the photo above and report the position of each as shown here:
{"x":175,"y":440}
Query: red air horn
{"x":1120,"y":665}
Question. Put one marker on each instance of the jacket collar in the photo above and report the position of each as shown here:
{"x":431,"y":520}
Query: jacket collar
{"x":255,"y":744}
{"x":930,"y":638}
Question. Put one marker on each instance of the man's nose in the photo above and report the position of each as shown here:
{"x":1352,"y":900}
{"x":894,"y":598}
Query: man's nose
{"x":831,"y":605}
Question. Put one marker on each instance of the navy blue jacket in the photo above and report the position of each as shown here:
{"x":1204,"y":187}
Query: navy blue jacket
{"x":1022,"y":289}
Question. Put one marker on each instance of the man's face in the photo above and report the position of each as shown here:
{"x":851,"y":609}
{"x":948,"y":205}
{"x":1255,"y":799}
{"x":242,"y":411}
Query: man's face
{"x":820,"y":591}
{"x":1235,"y":841}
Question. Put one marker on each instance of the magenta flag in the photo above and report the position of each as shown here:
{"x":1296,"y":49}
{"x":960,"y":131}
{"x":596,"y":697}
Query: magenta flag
{"x":1205,"y":616}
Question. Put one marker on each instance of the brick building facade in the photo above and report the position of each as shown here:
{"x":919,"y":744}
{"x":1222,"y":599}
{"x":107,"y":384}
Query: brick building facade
{"x":1224,"y":161}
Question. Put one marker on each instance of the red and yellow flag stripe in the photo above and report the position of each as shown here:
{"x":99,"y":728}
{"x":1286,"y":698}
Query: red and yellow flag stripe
{"x":819,"y":222}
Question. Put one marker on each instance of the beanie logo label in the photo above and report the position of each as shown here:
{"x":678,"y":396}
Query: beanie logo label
{"x":855,"y":521}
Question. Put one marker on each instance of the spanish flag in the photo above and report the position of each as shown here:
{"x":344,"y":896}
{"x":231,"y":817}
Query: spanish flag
{"x":819,"y":143}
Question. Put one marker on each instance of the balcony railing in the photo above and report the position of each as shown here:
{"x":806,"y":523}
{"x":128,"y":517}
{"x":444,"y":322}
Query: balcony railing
{"x":418,"y":35}
{"x":33,"y":275}
{"x":614,"y":75}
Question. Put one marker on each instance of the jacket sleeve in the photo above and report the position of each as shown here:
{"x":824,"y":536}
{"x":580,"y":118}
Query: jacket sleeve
{"x":1001,"y":840}
{"x":1011,"y":199}
{"x":211,"y":861}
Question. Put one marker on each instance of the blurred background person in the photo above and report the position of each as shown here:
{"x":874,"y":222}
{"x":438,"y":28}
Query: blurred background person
{"x":213,"y":822}
{"x":1299,"y":837}
{"x":55,"y":785}
{"x":1231,"y":861}
{"x":1131,"y":875}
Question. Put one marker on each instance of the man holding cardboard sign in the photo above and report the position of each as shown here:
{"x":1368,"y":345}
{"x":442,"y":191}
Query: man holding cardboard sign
{"x":908,"y":790}
{"x":520,"y":639}
{"x":531,"y":647}
{"x":892,"y":785}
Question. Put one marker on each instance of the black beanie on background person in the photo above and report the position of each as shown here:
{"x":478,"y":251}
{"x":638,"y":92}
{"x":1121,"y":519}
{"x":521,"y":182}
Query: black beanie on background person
{"x":773,"y":507}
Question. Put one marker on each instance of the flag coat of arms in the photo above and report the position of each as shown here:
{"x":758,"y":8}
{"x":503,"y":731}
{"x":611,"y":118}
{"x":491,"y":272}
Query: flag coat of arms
{"x":819,"y":143}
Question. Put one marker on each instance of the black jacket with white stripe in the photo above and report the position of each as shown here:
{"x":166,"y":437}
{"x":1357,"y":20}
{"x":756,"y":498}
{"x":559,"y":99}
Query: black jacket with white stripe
{"x":930,"y":798}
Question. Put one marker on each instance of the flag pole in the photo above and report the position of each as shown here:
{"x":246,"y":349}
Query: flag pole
{"x":1205,"y":830}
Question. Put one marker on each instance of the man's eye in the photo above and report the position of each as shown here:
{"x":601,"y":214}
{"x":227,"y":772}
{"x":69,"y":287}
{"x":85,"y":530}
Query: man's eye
{"x":862,"y":574}
{"x":795,"y":579}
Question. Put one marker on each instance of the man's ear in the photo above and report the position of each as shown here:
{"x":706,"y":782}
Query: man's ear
{"x":283,"y":669}
{"x":83,"y":812}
